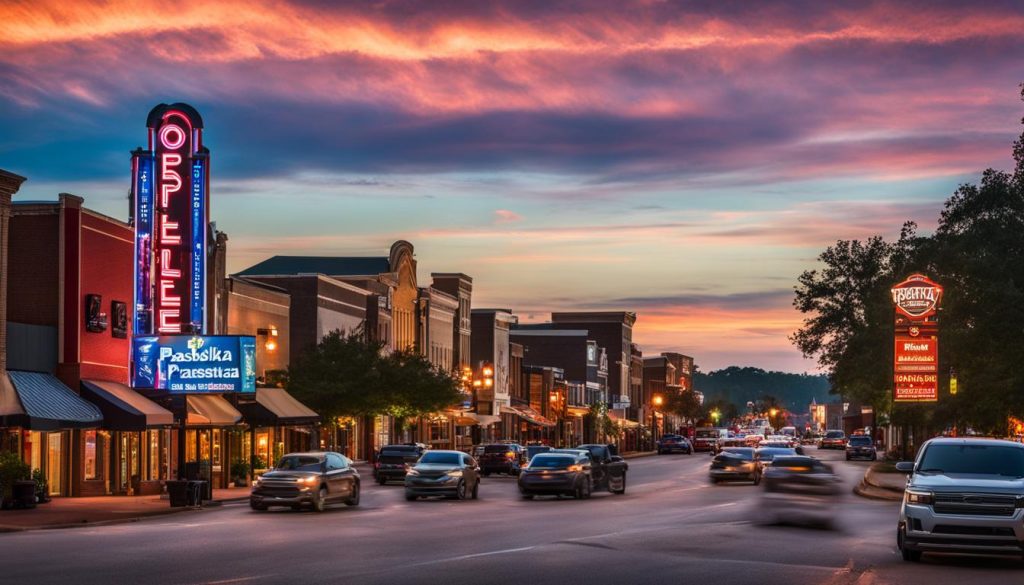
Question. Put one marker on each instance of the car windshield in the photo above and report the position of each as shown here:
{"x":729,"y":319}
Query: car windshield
{"x":860,"y":441}
{"x":299,"y":463}
{"x":440,"y":458}
{"x":391,"y":458}
{"x":973,"y":459}
{"x":707,"y":434}
{"x":551,"y":462}
{"x":771,"y":453}
{"x":835,"y":435}
{"x":745,"y":454}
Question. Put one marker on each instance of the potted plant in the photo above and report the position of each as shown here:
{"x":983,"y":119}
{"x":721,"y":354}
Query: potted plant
{"x":12,"y":470}
{"x":42,"y":486}
{"x":240,"y":473}
{"x":258,"y":463}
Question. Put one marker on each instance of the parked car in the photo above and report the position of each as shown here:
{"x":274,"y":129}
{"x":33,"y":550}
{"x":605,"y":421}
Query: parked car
{"x":313,"y":479}
{"x":799,"y":490}
{"x":557,"y":474}
{"x":393,"y":461}
{"x":451,"y":474}
{"x":673,"y":443}
{"x":833,"y":440}
{"x":736,"y":463}
{"x":963,"y":495}
{"x":502,"y":458}
{"x":607,"y":471}
{"x":861,"y":446}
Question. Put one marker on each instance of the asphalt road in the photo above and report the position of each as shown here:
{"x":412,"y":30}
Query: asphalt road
{"x":672,"y":526}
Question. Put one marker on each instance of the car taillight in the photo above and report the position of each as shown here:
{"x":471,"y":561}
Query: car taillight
{"x":510,"y":454}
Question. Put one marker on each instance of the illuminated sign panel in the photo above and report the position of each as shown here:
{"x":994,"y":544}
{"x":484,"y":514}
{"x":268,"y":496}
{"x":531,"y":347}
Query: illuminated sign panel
{"x":142,"y":170}
{"x":916,"y":351}
{"x":186,"y":364}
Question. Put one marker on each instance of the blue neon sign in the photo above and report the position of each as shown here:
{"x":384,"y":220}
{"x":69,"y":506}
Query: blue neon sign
{"x":194,"y":364}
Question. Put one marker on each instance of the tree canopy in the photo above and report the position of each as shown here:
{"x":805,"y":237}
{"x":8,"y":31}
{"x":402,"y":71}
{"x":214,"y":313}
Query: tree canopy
{"x":350,"y":375}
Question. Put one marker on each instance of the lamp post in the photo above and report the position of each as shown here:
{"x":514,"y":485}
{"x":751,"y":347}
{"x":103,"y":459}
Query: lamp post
{"x":656,"y":401}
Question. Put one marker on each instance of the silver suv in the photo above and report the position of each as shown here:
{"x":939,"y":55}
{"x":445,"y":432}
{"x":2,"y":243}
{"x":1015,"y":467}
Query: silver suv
{"x":963,"y":496}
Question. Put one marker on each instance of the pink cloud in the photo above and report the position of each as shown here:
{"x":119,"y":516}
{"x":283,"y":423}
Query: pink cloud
{"x":503,"y":216}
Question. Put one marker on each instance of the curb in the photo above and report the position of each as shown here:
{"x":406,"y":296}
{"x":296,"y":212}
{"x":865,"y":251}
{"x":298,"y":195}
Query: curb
{"x":874,"y":493}
{"x":639,"y":454}
{"x":7,"y":528}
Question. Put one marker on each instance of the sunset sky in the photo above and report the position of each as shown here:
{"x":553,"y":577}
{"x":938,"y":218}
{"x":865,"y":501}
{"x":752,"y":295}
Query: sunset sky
{"x":684,"y":160}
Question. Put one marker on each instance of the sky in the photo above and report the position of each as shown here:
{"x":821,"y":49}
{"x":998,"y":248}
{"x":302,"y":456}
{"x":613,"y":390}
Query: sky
{"x":684,"y":160}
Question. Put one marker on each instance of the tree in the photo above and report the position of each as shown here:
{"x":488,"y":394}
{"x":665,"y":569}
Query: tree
{"x":351,"y":375}
{"x":683,"y":404}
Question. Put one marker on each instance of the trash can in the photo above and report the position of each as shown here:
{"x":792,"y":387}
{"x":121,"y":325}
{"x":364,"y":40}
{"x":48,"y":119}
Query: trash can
{"x":177,"y":493}
{"x":24,"y":493}
{"x":196,"y":492}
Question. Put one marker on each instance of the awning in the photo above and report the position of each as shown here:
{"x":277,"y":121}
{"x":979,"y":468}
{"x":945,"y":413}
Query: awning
{"x":276,"y":407}
{"x":123,"y":408}
{"x":528,"y":414}
{"x":210,"y":411}
{"x":468,"y":419}
{"x":625,"y":422}
{"x":577,"y":410}
{"x":48,"y":405}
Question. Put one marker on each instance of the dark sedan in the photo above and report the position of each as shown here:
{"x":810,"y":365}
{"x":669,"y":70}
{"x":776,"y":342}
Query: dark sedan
{"x":452,"y":474}
{"x":502,"y":458}
{"x":860,"y":446}
{"x":736,"y":464}
{"x":800,"y":490}
{"x":673,"y":444}
{"x":393,"y":461}
{"x":765,"y":455}
{"x":313,"y":479}
{"x":557,"y":474}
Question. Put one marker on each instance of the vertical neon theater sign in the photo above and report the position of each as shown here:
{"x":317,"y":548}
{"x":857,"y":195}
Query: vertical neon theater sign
{"x":170,"y":197}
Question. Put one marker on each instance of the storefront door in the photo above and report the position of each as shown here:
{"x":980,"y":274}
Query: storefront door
{"x":55,"y":462}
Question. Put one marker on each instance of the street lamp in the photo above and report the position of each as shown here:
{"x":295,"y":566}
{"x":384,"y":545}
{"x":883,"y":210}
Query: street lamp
{"x":656,"y":401}
{"x":715,"y":415}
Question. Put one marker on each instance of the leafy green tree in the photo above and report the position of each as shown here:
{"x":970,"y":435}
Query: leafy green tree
{"x":683,"y":404}
{"x":351,"y":375}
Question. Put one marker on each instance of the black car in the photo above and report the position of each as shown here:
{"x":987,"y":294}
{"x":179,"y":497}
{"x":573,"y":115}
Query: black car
{"x":313,"y":479}
{"x":799,"y":490}
{"x":502,"y":458}
{"x":451,"y":474}
{"x":765,"y":455}
{"x":393,"y":461}
{"x":736,"y":463}
{"x":860,"y":446}
{"x":674,"y":443}
{"x":607,"y":470}
{"x":532,"y":450}
{"x":557,"y":474}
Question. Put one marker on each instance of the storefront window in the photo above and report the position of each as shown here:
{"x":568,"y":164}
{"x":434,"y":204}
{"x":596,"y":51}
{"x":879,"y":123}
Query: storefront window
{"x":34,"y":449}
{"x":216,"y":450}
{"x":153,"y":440}
{"x":54,"y":462}
{"x":263,"y":448}
{"x":91,"y":465}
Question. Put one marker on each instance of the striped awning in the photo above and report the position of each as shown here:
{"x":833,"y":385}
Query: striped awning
{"x":47,"y":405}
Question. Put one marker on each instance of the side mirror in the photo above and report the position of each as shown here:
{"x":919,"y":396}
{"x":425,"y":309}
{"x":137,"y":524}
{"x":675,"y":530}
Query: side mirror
{"x":616,"y":459}
{"x":905,"y":466}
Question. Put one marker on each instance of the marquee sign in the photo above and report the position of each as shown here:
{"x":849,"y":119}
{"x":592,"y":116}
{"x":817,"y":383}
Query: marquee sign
{"x":185,"y":364}
{"x":916,"y":351}
{"x":170,"y":194}
{"x":917,"y":297}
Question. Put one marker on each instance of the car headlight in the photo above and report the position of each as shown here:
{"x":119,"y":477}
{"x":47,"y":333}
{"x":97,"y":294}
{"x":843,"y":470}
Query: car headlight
{"x":309,"y":480}
{"x":920,"y":498}
{"x":412,"y":471}
{"x":454,"y":473}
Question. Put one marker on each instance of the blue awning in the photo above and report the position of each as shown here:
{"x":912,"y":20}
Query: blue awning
{"x":49,"y":405}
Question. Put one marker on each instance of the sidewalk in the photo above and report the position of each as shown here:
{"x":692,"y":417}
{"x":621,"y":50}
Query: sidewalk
{"x":881,"y":485}
{"x":71,"y":512}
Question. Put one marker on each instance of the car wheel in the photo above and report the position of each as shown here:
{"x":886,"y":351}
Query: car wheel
{"x":257,"y":507}
{"x":912,"y":556}
{"x":460,"y":490}
{"x":714,"y":480}
{"x":410,"y":497}
{"x":757,"y":479}
{"x":587,"y":489}
{"x":320,"y":504}
{"x":476,"y":490}
{"x":622,"y":489}
{"x":353,"y":500}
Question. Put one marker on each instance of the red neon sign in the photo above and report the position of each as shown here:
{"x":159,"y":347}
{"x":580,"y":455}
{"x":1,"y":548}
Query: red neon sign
{"x":917,"y":297}
{"x":173,"y":150}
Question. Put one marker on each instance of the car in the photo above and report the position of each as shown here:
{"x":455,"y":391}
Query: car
{"x":705,"y":439}
{"x":765,"y":455}
{"x":735,"y":463}
{"x":532,"y":450}
{"x":963,"y":495}
{"x":393,"y":461}
{"x":506,"y":458}
{"x":452,"y":474}
{"x":313,"y":479}
{"x":799,"y":490}
{"x":557,"y":474}
{"x":861,"y":446}
{"x":833,"y":440}
{"x":672,"y":443}
{"x":607,"y":470}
